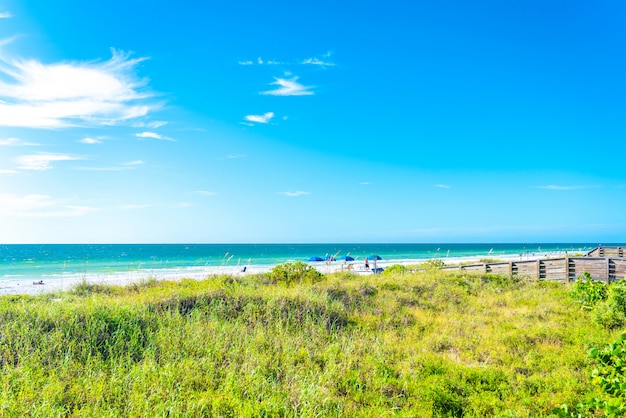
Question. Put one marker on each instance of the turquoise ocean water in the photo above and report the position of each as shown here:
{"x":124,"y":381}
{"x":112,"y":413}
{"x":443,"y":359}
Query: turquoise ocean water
{"x":49,"y":262}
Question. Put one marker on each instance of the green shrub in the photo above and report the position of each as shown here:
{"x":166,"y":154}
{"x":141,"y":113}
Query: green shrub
{"x":433,"y":263}
{"x":589,"y":292}
{"x":85,"y":288}
{"x":611,"y":313}
{"x":298,"y":272}
{"x":609,"y":376}
{"x":394,"y":269}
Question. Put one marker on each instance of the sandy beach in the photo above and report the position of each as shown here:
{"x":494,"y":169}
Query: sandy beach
{"x":62,"y":283}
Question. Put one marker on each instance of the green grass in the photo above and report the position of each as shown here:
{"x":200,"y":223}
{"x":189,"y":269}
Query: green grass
{"x":428,"y":343}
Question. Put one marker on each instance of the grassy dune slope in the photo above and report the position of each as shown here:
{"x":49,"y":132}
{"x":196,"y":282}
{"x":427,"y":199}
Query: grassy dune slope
{"x":422,"y":344}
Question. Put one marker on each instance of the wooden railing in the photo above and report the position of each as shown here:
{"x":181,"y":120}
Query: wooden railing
{"x":606,"y":252}
{"x":608,"y":269}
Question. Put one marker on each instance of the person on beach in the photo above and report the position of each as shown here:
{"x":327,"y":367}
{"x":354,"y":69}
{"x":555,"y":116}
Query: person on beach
{"x":367,"y":264}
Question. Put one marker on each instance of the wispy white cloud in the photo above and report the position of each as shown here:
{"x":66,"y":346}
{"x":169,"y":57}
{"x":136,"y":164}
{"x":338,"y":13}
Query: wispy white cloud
{"x":317,"y":61}
{"x":264,"y":118}
{"x":39,"y":206}
{"x":365,"y":183}
{"x":294,"y":194}
{"x":152,"y":125}
{"x":443,"y":186}
{"x":324,"y":61}
{"x":5,"y":15}
{"x":15,"y":142}
{"x":40,"y":95}
{"x":7,"y":172}
{"x":153,"y":135}
{"x":42,"y":161}
{"x":205,"y":193}
{"x":134,"y":163}
{"x":557,"y":187}
{"x":131,"y":165}
{"x":288,"y":88}
{"x":90,"y":141}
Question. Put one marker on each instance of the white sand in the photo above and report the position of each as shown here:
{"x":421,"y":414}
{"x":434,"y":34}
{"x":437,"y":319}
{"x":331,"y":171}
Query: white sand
{"x":66,"y":283}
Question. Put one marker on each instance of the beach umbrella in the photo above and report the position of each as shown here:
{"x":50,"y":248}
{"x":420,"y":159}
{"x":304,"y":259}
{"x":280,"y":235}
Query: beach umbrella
{"x":315,"y":259}
{"x":345,"y":258}
{"x":374,"y":258}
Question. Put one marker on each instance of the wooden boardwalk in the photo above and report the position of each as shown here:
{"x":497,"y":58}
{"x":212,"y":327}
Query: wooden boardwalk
{"x":603,"y":263}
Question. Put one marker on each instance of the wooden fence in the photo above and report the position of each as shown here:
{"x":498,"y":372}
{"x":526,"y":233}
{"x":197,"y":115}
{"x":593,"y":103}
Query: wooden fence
{"x":606,"y":252}
{"x":608,"y":269}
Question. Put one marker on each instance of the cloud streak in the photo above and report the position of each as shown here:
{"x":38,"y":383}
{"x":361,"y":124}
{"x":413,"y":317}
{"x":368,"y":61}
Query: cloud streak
{"x":154,"y":135}
{"x":14,"y":142}
{"x":90,"y":141}
{"x":289,"y":87}
{"x":38,"y":95}
{"x":5,"y":15}
{"x":42,"y":161}
{"x":131,"y":165}
{"x":316,"y":61}
{"x":324,"y":62}
{"x":557,"y":187}
{"x":294,"y":194}
{"x":264,"y":118}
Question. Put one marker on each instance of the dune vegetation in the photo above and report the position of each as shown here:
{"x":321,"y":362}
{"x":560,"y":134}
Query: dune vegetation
{"x":294,"y":342}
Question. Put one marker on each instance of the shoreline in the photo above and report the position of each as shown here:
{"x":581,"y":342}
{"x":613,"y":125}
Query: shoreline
{"x":66,"y":283}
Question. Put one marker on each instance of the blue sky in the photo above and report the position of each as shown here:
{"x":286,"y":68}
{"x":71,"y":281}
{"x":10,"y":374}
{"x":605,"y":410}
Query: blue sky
{"x":222,"y":122}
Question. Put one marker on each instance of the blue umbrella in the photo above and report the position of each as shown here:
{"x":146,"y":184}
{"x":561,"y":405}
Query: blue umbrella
{"x":315,"y":259}
{"x":374,"y":257}
{"x":346,"y":258}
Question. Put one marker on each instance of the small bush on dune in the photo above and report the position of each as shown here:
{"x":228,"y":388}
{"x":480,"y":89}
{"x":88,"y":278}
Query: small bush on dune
{"x":394,"y":269}
{"x":611,"y":313}
{"x":290,"y":273}
{"x":606,"y":302}
{"x":589,"y":292}
{"x":609,"y":376}
{"x":85,"y":289}
{"x":434,"y":263}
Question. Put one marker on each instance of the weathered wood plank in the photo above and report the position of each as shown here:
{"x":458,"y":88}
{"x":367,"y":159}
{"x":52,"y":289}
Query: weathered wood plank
{"x":567,"y":268}
{"x":527,"y":268}
{"x":620,"y":268}
{"x":500,"y":268}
